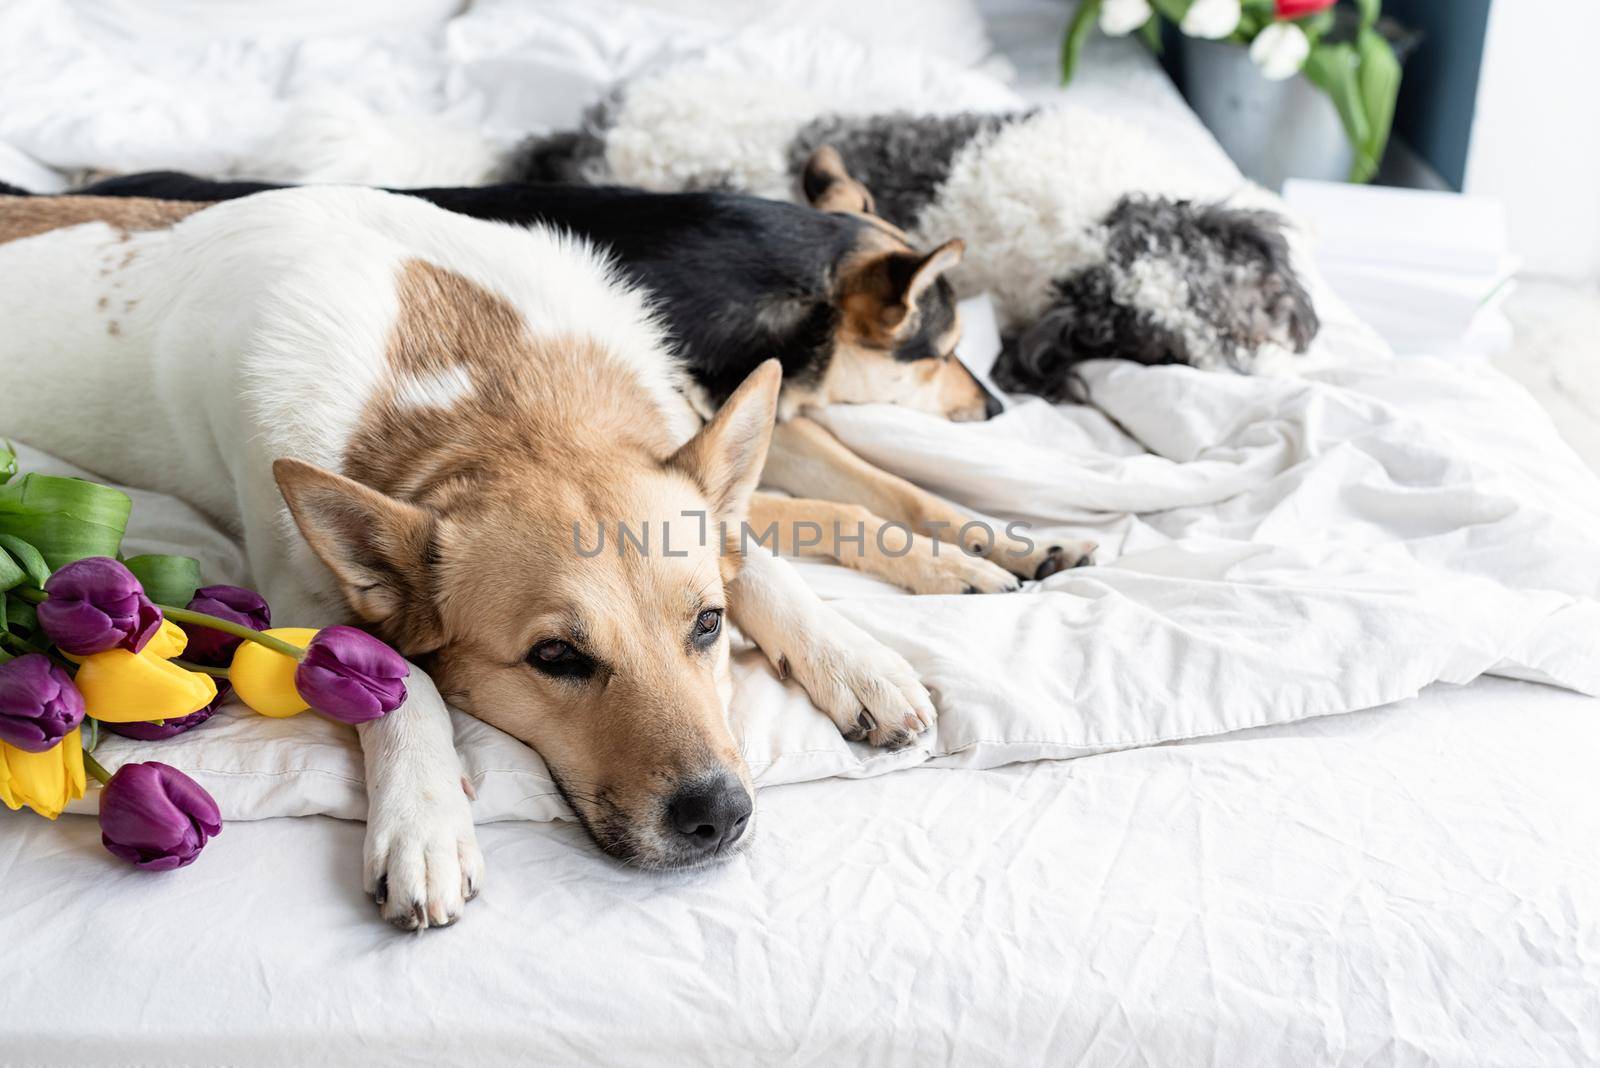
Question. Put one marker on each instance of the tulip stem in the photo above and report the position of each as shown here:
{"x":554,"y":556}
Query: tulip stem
{"x":93,"y":767}
{"x":200,"y":619}
{"x":24,"y":647}
{"x":16,"y":641}
{"x":214,"y":672}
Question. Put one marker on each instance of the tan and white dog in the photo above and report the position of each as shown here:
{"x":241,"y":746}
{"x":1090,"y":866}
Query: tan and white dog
{"x":407,"y":415}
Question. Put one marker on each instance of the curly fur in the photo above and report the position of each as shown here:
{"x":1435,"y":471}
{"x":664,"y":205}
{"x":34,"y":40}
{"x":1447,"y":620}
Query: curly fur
{"x":1091,"y":238}
{"x":573,"y":156}
{"x":903,"y":158}
{"x":1181,"y":282}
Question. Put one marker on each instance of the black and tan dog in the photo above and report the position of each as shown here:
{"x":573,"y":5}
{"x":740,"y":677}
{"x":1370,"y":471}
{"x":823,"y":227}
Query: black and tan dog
{"x":852,"y":312}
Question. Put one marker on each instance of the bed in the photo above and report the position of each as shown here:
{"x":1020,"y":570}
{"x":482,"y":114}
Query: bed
{"x":1310,"y":778}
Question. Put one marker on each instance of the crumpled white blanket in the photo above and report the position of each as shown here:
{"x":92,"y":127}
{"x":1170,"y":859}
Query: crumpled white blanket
{"x":1274,"y":549}
{"x":295,"y":89}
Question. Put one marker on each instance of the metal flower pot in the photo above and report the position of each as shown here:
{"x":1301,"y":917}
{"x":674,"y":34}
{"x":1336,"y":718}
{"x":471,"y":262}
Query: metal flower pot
{"x":1273,"y":130}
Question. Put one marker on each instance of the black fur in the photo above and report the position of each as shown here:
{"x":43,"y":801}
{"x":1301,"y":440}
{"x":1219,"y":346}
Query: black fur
{"x":936,"y":314}
{"x":572,"y":156}
{"x":737,"y":279}
{"x":1242,"y":291}
{"x":1242,"y":294}
{"x":902,"y":158}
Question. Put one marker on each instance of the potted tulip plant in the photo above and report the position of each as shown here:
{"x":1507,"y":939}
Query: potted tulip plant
{"x":1289,"y":87}
{"x":139,"y":648}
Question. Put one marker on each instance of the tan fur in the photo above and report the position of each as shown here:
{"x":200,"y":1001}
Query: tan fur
{"x":857,"y":538}
{"x":458,"y":533}
{"x":809,"y":462}
{"x":877,"y":297}
{"x":877,"y":314}
{"x":834,"y":188}
{"x":22,"y":217}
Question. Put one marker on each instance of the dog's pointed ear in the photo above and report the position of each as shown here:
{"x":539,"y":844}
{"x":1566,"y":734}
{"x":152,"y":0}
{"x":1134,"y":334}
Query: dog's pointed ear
{"x":725,"y":459}
{"x":377,"y":547}
{"x":829,"y":186}
{"x":886,"y":288}
{"x":911,"y":275}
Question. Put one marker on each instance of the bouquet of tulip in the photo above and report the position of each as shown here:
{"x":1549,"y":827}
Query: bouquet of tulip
{"x":1362,"y":77}
{"x":139,"y":647}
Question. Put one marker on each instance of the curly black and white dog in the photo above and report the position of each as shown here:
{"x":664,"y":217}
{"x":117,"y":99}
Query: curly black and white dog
{"x":1082,"y":230}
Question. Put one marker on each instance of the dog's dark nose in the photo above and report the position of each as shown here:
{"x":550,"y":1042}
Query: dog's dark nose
{"x":710,"y":814}
{"x":991,"y":405}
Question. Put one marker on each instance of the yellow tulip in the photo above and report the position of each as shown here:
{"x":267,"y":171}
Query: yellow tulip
{"x":264,"y":678}
{"x":123,"y":687}
{"x":45,"y":781}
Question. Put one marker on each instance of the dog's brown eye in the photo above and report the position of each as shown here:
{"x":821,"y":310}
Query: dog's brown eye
{"x":707,"y":626}
{"x":556,"y":657}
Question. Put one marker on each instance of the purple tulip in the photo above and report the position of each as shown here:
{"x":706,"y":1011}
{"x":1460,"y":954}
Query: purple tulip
{"x":158,"y":732}
{"x":96,"y":604}
{"x":233,"y":603}
{"x":39,"y":705}
{"x":349,"y":675}
{"x":156,"y":817}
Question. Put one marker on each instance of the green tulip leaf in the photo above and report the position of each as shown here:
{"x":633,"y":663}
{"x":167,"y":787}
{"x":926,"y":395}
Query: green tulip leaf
{"x":8,"y":462}
{"x":1083,"y":23}
{"x":1334,"y":68}
{"x":1380,"y":87}
{"x":1315,"y":26}
{"x":1370,"y":10}
{"x":66,"y":519}
{"x":1151,"y":32}
{"x":169,"y":580}
{"x":11,"y":573}
{"x":19,"y":616}
{"x":30,"y":559}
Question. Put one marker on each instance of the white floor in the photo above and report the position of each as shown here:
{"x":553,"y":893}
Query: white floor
{"x":1556,"y":355}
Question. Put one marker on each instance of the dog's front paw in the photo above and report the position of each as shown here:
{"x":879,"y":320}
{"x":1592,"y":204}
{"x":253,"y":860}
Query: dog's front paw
{"x":1046,"y":557}
{"x":866,"y":688}
{"x":422,"y":863}
{"x":950,"y":571}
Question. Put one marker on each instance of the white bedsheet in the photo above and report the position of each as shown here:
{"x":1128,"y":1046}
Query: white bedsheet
{"x":1276,"y":549}
{"x":1412,"y":884}
{"x":1417,"y":885}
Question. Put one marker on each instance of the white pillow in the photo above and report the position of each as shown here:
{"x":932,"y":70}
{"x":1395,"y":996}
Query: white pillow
{"x":951,"y":29}
{"x":517,"y":68}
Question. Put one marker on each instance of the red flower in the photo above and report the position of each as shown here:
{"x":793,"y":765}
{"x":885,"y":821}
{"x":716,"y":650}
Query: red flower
{"x":1299,"y":9}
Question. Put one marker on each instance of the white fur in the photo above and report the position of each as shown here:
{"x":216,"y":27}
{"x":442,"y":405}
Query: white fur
{"x":842,"y":668}
{"x":1029,"y":200}
{"x":438,"y":389}
{"x":186,"y":360}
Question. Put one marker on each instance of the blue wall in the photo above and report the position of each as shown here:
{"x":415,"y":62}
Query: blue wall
{"x":1440,"y":87}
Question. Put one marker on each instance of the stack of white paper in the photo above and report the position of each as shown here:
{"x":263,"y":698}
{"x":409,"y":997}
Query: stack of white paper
{"x":1428,"y":270}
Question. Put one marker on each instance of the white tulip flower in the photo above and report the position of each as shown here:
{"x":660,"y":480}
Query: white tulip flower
{"x":1118,"y":18}
{"x":1211,"y":19}
{"x":1280,"y":50}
